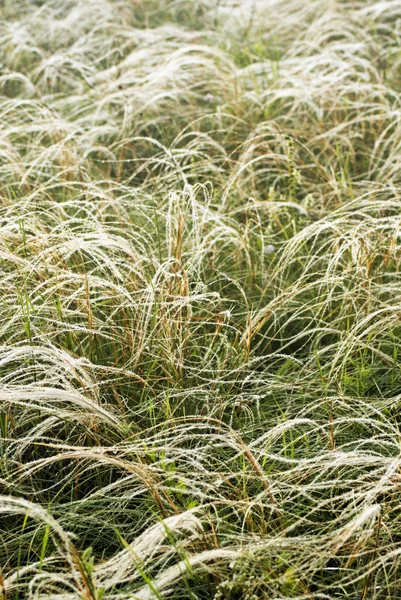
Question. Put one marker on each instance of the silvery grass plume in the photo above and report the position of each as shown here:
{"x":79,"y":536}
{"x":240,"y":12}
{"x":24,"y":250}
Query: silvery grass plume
{"x":200,"y":245}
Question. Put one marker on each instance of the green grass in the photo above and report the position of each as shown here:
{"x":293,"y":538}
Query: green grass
{"x":200,"y":351}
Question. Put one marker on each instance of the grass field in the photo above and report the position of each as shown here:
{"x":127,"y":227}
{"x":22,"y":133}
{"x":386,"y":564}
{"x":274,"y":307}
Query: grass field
{"x":200,"y":299}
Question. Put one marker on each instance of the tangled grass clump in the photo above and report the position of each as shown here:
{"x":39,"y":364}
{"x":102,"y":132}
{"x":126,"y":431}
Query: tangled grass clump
{"x":200,"y":332}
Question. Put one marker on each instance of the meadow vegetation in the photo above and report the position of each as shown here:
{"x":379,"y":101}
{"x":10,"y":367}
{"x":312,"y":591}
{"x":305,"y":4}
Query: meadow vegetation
{"x":200,"y":299}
